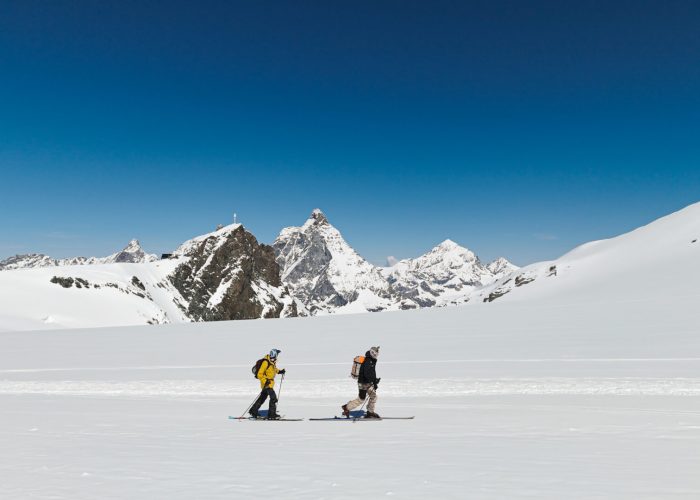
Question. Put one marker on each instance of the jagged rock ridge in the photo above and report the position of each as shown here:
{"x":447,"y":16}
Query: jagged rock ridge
{"x":228,"y":275}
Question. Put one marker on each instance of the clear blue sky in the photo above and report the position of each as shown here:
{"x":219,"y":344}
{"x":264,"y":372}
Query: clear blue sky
{"x":514,"y":128}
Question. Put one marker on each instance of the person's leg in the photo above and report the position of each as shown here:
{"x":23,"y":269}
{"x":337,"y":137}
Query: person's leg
{"x":351,"y":405}
{"x":372,"y":393}
{"x":272,"y":410}
{"x":258,"y":403}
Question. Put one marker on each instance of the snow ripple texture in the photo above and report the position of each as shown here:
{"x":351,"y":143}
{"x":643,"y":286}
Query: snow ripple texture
{"x":341,"y":388}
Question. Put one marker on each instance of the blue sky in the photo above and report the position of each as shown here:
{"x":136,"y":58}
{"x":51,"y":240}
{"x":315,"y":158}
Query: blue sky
{"x":514,"y":128}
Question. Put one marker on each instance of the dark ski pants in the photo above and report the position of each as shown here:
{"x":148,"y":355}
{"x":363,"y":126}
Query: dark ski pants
{"x":261,"y":399}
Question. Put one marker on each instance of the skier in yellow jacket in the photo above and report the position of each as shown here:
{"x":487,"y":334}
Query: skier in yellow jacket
{"x":266,"y":374}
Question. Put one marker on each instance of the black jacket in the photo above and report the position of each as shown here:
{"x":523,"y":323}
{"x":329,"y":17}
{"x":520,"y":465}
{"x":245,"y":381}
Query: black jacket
{"x":368,"y":374}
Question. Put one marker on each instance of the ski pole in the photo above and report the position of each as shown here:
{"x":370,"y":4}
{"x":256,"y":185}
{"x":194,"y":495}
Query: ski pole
{"x":364,"y":403}
{"x":280,"y":393}
{"x":250,"y":406}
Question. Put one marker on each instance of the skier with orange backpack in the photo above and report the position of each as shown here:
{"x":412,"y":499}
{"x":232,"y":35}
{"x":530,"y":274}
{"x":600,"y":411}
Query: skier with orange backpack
{"x":364,"y":370}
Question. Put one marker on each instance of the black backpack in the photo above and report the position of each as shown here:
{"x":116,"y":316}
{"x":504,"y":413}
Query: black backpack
{"x":256,"y":367}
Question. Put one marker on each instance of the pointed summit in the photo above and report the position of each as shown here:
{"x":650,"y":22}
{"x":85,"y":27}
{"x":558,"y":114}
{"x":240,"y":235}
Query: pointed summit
{"x":448,"y":244}
{"x":132,"y":245}
{"x":318,"y":217}
{"x":131,"y":253}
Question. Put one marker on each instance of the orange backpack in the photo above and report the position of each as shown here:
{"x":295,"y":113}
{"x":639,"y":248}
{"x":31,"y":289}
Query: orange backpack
{"x":356,"y":365}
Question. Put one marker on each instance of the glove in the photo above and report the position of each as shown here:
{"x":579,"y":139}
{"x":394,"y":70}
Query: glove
{"x":283,"y":371}
{"x":376,"y":383}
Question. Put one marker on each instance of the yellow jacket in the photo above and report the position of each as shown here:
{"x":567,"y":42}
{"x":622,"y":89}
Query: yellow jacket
{"x":267,"y":372}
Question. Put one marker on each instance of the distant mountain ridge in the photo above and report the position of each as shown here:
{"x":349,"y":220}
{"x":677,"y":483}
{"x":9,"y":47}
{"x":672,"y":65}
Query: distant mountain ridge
{"x":131,"y":253}
{"x":327,"y":275}
{"x":446,"y":275}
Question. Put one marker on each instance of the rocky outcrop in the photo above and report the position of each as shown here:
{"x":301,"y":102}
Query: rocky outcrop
{"x":227,"y":275}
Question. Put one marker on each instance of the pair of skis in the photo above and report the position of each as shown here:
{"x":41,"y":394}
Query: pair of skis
{"x":265,"y":419}
{"x":328,"y":419}
{"x":358,"y":419}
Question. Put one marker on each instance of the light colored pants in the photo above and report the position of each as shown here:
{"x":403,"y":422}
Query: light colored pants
{"x":366,"y":390}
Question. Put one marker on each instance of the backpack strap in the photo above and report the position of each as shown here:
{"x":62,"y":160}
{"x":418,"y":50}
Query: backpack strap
{"x":261,"y":368}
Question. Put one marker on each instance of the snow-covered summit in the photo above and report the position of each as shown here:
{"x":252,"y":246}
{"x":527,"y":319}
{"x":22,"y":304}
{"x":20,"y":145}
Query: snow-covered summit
{"x":217,"y":237}
{"x":447,"y":274}
{"x":132,"y":253}
{"x":500,"y":267}
{"x":325,"y":273}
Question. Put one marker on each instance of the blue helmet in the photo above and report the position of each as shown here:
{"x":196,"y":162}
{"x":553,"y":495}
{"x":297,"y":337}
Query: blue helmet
{"x":274,"y":353}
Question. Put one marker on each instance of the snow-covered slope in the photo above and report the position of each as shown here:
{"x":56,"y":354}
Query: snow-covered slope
{"x":325,"y":274}
{"x":221,"y":275}
{"x":446,"y":275}
{"x":132,"y":253}
{"x":659,"y":259}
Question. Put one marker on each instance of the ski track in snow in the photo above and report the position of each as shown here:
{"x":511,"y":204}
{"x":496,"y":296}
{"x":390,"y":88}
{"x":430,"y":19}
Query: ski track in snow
{"x":344,"y":363}
{"x":314,"y":389}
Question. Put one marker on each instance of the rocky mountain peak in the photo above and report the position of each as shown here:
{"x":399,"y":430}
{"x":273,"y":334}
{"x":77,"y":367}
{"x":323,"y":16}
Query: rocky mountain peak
{"x":132,"y":245}
{"x":132,"y":253}
{"x":323,"y":272}
{"x":318,"y":218}
{"x":501,"y":266}
{"x":228,"y":275}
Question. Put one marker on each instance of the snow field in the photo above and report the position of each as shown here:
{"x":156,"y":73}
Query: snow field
{"x":511,"y":401}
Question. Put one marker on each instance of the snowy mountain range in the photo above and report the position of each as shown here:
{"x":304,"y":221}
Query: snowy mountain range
{"x":227,"y":274}
{"x":312,"y":270}
{"x":132,"y":252}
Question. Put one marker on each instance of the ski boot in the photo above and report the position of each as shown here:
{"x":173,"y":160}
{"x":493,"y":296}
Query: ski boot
{"x":371,"y":414}
{"x":253,"y":414}
{"x":274,"y":416}
{"x":346,"y":412}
